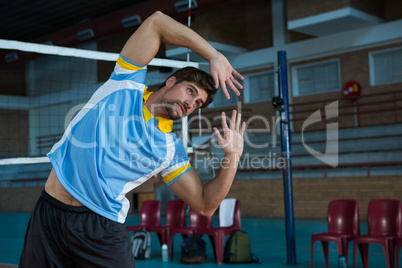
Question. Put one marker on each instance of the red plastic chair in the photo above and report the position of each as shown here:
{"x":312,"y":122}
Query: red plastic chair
{"x":398,"y":250}
{"x":343,"y":226}
{"x":384,"y":225}
{"x":150,"y":216}
{"x":217,"y":235}
{"x":197,"y":222}
{"x":175,"y":217}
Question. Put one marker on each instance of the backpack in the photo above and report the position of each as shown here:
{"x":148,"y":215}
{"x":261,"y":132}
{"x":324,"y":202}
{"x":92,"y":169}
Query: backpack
{"x":141,"y":245}
{"x":193,"y":250}
{"x":238,"y":249}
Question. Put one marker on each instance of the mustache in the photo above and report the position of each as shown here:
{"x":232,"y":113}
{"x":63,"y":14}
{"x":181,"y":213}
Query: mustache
{"x":173,"y":107}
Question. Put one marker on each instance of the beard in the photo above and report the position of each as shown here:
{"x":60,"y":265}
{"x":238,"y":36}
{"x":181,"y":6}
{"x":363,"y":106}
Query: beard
{"x":173,"y":111}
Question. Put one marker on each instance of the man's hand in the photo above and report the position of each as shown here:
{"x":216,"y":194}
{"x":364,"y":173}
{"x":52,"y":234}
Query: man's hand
{"x":205,"y":198}
{"x":224,"y":74}
{"x":232,"y":141}
{"x":145,"y":42}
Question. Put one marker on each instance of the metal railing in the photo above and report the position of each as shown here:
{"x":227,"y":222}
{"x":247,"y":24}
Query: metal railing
{"x":365,"y":110}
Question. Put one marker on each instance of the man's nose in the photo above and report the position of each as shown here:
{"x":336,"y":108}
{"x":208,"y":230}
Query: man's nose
{"x":190,"y":103}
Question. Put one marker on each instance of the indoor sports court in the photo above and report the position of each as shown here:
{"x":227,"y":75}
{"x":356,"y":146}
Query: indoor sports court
{"x":267,"y":237}
{"x":320,"y":87}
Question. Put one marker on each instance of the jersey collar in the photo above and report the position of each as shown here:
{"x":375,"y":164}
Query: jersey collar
{"x":165,"y":125}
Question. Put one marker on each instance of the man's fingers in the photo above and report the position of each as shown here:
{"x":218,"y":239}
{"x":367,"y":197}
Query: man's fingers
{"x":218,"y":134}
{"x":243,"y":128}
{"x":236,"y":83}
{"x":233,"y":87}
{"x":216,"y":79}
{"x":224,"y":123}
{"x":238,"y":122}
{"x":224,"y":90}
{"x":233,"y":120}
{"x":237,"y":74}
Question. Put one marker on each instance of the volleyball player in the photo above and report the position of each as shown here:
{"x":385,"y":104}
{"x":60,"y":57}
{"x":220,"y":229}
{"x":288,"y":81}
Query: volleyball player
{"x":120,"y":139}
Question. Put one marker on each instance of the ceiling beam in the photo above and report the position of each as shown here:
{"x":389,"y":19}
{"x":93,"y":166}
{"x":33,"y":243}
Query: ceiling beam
{"x":112,"y":23}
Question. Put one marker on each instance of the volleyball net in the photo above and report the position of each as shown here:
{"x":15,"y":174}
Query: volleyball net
{"x":44,"y":86}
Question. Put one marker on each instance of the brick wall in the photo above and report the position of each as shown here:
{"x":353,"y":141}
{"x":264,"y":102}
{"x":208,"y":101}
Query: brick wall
{"x":373,"y":7}
{"x":23,"y":199}
{"x":19,"y":199}
{"x":264,"y":198}
{"x":301,"y":9}
{"x":393,"y":10}
{"x":245,"y":24}
{"x":12,"y":80}
{"x":354,"y":66}
{"x":14,"y":133}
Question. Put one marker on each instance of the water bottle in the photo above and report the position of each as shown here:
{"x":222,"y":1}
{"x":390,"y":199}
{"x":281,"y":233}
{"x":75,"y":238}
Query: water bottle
{"x":164,"y":253}
{"x":342,"y":262}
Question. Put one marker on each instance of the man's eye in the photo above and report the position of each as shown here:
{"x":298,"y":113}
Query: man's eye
{"x":189,"y":91}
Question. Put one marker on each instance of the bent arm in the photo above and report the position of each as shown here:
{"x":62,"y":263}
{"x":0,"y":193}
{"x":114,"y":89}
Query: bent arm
{"x":205,"y":198}
{"x":144,"y":44}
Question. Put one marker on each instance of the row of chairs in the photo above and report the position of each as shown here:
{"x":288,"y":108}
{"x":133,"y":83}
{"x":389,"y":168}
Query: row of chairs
{"x":384,"y":221}
{"x":176,"y":223}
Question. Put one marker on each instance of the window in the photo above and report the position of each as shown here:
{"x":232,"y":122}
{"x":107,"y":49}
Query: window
{"x":316,"y":78}
{"x":259,"y":87}
{"x":386,"y":66}
{"x":220,"y":99}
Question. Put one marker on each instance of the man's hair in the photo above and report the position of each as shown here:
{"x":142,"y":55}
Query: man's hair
{"x":200,"y":78}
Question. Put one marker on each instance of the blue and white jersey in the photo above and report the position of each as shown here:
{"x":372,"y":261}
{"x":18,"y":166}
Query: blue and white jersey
{"x":115,"y":144}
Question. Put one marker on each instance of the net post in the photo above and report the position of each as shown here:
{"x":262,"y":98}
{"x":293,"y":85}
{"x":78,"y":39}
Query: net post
{"x":184,"y":120}
{"x":286,"y":154}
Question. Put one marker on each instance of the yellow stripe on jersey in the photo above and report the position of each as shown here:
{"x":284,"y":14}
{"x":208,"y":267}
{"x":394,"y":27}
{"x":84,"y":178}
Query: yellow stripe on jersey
{"x":127,"y":65}
{"x":147,"y":114}
{"x":146,"y":94}
{"x":175,"y":173}
{"x":165,"y":125}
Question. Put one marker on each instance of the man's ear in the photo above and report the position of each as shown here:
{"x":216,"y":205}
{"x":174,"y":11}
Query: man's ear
{"x":170,"y":81}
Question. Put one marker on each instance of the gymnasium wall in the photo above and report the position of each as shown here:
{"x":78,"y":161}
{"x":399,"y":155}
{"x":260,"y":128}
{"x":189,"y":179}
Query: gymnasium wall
{"x":263,"y":198}
{"x":19,"y":199}
{"x":301,"y":9}
{"x":354,"y":66}
{"x":23,"y":199}
{"x":14,"y":133}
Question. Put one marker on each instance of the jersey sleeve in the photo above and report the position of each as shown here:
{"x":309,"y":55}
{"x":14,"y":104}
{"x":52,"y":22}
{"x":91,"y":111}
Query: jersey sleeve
{"x":177,"y":167}
{"x":126,"y":69}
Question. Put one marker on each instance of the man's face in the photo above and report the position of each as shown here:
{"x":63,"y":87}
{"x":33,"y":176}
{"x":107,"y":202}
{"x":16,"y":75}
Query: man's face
{"x":181,"y":99}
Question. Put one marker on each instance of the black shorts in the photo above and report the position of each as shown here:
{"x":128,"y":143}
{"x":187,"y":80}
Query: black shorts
{"x":59,"y":235}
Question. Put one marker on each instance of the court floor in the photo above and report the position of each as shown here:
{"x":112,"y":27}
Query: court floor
{"x":268,"y":239}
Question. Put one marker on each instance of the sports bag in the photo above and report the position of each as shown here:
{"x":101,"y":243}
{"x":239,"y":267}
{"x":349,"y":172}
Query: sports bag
{"x":193,"y":250}
{"x":238,"y":249}
{"x":141,"y":245}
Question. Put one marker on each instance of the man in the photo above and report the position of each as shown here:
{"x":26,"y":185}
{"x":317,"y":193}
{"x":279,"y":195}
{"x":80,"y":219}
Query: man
{"x":120,"y":139}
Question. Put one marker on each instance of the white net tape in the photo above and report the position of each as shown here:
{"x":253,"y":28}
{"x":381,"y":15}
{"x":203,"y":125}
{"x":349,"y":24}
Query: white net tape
{"x":24,"y":160}
{"x":44,"y":103}
{"x":83,"y":53}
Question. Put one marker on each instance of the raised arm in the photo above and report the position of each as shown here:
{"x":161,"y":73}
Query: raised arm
{"x":143,"y":45}
{"x":205,"y":198}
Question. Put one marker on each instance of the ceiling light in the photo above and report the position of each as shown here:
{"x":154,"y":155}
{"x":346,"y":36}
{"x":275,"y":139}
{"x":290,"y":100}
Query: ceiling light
{"x":131,"y":21}
{"x":11,"y":57}
{"x":85,"y":34}
{"x":182,"y":6}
